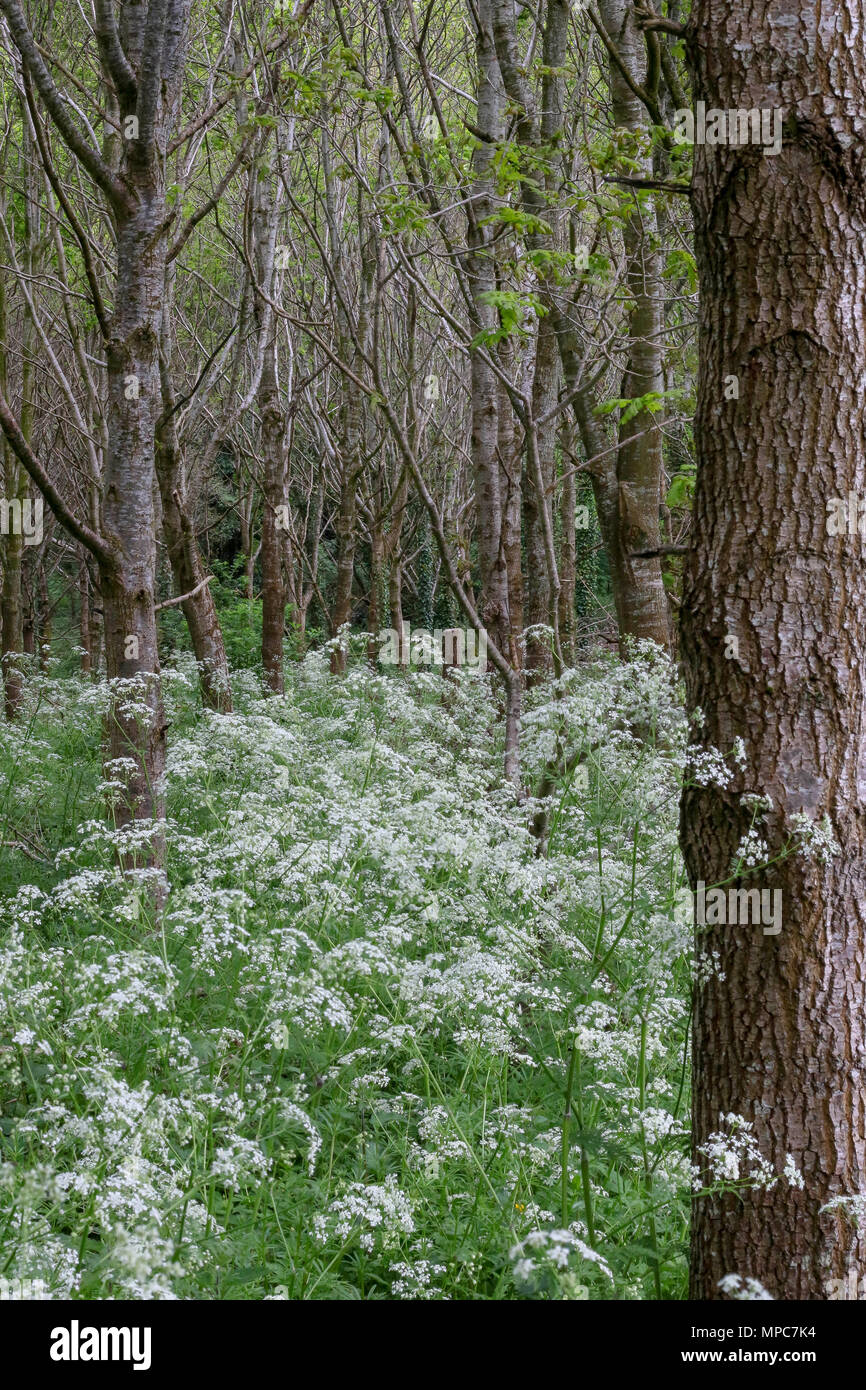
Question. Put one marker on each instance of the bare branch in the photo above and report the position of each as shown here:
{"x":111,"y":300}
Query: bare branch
{"x":55,"y":104}
{"x":114,"y":60}
{"x":97,"y":546}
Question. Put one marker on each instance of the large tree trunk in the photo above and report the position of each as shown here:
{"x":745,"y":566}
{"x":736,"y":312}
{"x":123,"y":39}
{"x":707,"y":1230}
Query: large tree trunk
{"x":137,"y":725}
{"x":128,"y":586}
{"x":780,"y":1035}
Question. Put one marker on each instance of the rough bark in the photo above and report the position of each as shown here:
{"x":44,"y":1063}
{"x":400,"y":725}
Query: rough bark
{"x":134,"y":405}
{"x":781,"y":249}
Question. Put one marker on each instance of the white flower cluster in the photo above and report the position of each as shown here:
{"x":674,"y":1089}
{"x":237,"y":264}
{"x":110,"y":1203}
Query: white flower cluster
{"x":706,"y":767}
{"x":359,"y":943}
{"x":745,"y":1290}
{"x":815,"y":839}
{"x":852,"y":1207}
{"x":547,"y":1260}
{"x":751,"y":852}
{"x":378,"y":1213}
{"x":734,"y":1159}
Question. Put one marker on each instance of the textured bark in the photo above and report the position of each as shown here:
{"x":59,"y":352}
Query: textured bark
{"x":781,"y":248}
{"x":134,"y":405}
{"x":377,"y":591}
{"x":510,"y":450}
{"x":347,"y":526}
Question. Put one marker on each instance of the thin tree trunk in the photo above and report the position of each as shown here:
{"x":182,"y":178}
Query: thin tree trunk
{"x":490,"y":483}
{"x":568,"y":552}
{"x":273,"y":498}
{"x":639,"y":592}
{"x":539,"y":654}
{"x":17,"y":487}
{"x":199,"y":608}
{"x":85,"y":624}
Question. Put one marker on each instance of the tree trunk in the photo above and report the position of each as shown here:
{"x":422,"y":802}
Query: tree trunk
{"x":510,"y":451}
{"x":45,"y":617}
{"x":353,"y":340}
{"x":199,"y":608}
{"x":85,"y":624}
{"x":639,"y":592}
{"x":16,"y":486}
{"x":273,"y":498}
{"x":377,"y":589}
{"x":539,"y":654}
{"x":781,"y":249}
{"x":490,"y":483}
{"x":568,"y":552}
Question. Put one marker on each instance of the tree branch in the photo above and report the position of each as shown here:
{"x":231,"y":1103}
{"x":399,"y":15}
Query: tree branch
{"x":78,"y":230}
{"x":182,"y":598}
{"x":201,"y":213}
{"x":97,"y":546}
{"x":651,"y":105}
{"x":114,"y":60}
{"x":150,"y":73}
{"x":56,"y":106}
{"x":648,"y":19}
{"x":662,"y":185}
